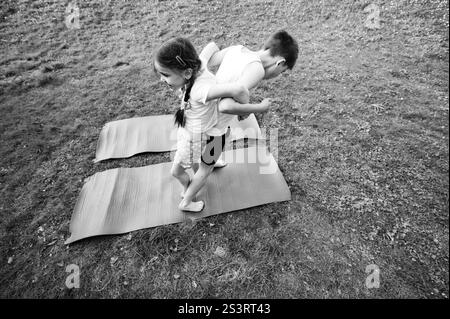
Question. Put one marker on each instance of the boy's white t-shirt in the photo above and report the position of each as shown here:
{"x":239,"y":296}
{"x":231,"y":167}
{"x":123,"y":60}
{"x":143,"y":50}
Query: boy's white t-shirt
{"x":202,"y":115}
{"x":233,"y":64}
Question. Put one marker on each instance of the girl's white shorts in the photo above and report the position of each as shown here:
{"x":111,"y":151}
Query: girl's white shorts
{"x":189,"y":148}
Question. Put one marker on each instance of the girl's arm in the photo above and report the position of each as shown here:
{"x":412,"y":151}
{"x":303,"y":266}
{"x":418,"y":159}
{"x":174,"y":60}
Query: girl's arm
{"x":251,"y":76}
{"x":230,"y":106}
{"x":235,"y":99}
{"x":236,"y":91}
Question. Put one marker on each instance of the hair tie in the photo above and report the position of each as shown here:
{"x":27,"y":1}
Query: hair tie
{"x":185,"y":105}
{"x":180,"y":60}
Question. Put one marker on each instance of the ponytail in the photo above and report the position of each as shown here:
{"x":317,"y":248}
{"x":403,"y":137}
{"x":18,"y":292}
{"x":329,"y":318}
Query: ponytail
{"x":180,"y":116}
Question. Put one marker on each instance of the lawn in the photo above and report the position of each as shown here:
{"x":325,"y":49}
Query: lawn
{"x":363,"y":139}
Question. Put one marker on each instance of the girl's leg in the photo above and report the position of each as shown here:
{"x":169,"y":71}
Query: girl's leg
{"x":182,"y":158}
{"x":180,"y":174}
{"x":213,"y":149}
{"x":195,"y":167}
{"x":198,"y":181}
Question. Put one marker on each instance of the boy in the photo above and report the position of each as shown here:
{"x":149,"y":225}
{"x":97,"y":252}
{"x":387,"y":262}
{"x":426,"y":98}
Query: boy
{"x":238,"y":64}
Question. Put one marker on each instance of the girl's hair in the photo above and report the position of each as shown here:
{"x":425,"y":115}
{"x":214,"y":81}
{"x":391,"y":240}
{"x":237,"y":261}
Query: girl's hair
{"x":180,"y":54}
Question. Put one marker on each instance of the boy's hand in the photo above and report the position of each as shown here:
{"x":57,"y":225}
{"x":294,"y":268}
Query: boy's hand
{"x":243,"y":117}
{"x":265,"y":104}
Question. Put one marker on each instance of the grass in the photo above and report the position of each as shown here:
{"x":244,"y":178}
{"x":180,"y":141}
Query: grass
{"x":363,"y":143}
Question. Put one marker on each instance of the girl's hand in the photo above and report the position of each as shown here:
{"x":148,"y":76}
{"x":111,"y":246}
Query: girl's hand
{"x":241,"y":95}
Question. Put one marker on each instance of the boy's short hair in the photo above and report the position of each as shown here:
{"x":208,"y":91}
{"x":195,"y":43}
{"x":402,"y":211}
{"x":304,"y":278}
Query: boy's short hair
{"x":282,"y":44}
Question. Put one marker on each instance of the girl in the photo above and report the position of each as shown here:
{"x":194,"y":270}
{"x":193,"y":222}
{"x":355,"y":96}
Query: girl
{"x":178,"y":64}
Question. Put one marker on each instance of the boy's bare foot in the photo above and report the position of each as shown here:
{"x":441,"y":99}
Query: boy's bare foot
{"x":220,"y":163}
{"x":194,"y":207}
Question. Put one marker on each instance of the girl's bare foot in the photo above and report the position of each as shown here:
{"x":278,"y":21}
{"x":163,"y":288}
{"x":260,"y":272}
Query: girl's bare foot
{"x":194,"y":207}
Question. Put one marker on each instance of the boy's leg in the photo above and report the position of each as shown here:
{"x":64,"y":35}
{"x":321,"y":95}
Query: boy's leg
{"x":196,"y":150}
{"x":211,"y":153}
{"x":220,"y":162}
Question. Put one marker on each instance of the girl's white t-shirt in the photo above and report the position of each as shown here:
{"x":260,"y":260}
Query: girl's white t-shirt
{"x":202,"y":115}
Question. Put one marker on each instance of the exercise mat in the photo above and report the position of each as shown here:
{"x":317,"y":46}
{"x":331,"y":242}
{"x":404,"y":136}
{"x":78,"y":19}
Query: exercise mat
{"x":125,"y":199}
{"x":125,"y":138}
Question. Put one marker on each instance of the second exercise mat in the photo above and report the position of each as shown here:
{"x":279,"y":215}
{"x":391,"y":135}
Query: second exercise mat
{"x":125,"y":138}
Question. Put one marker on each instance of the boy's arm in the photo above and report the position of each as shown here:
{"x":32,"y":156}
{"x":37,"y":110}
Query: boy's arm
{"x":208,"y":51}
{"x":252,"y":74}
{"x":217,"y":57}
